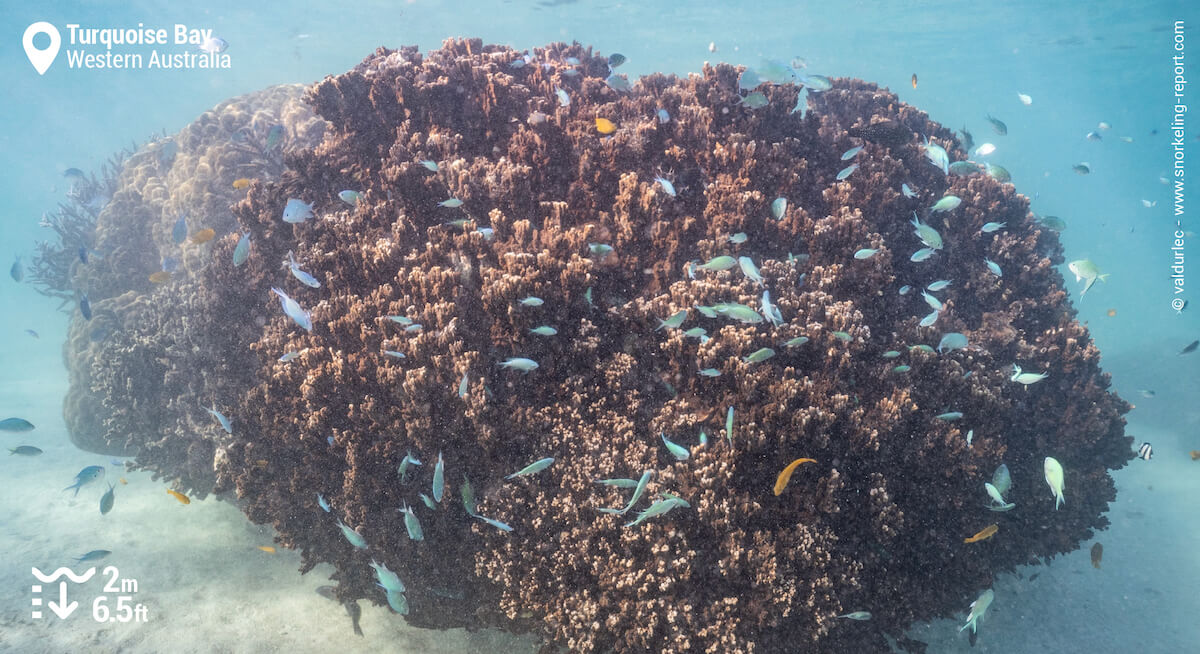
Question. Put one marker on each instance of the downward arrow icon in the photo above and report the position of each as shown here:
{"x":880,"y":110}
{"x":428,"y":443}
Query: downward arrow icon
{"x":61,"y":608}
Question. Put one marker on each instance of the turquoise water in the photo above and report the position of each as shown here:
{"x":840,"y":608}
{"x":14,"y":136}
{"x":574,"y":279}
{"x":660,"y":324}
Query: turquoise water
{"x":1081,"y":65}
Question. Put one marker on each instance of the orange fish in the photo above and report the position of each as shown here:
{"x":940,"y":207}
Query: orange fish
{"x":203,"y":236}
{"x":183,"y":499}
{"x":987,"y":533}
{"x":123,"y":482}
{"x":1097,"y":554}
{"x":914,"y":80}
{"x":784,"y":477}
{"x":1112,"y":312}
{"x":160,"y":276}
{"x":267,"y":548}
{"x":1195,"y":454}
{"x":605,"y":126}
{"x":241,"y":183}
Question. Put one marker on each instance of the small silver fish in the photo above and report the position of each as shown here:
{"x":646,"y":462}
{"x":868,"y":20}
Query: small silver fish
{"x":293,"y":310}
{"x":305,"y":278}
{"x":601,"y":250}
{"x":760,"y":355}
{"x":990,"y":227}
{"x":678,"y":451}
{"x":451,"y":203}
{"x":952,"y":341}
{"x":352,"y":536}
{"x":544,"y":330}
{"x":296,"y":211}
{"x":408,"y":460}
{"x":350,"y":197}
{"x":495,"y":523}
{"x":618,"y":82}
{"x":225,"y":424}
{"x":850,"y":154}
{"x":933,"y":302}
{"x":535,"y":467}
{"x":719,"y":263}
{"x":429,"y":165}
{"x":242,"y":251}
{"x":750,"y":270}
{"x":865,"y":253}
{"x":846,"y":172}
{"x":674,"y":321}
{"x":106,"y":502}
{"x":531,"y":301}
{"x":411,"y":524}
{"x":948,"y":203}
{"x":756,"y":100}
{"x":439,"y":478}
{"x":779,"y":207}
{"x":666,"y":185}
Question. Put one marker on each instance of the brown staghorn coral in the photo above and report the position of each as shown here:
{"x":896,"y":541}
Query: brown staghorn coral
{"x":894,"y":490}
{"x":153,"y":355}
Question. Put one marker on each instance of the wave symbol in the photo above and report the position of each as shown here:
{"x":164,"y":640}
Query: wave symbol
{"x":52,"y":577}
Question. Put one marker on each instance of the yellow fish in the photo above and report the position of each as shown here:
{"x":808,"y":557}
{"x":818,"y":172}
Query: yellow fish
{"x":241,"y":183}
{"x":786,"y":475}
{"x":123,"y":482}
{"x":605,"y":126}
{"x":914,"y":80}
{"x":183,"y":499}
{"x":267,"y":548}
{"x":203,"y":236}
{"x":987,"y":533}
{"x":160,"y":276}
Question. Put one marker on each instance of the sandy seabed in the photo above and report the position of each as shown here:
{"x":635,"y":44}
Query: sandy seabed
{"x":208,"y":588}
{"x":205,"y":584}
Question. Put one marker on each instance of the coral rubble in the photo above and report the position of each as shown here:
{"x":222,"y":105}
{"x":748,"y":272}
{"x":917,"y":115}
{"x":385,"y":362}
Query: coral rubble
{"x":894,"y":490}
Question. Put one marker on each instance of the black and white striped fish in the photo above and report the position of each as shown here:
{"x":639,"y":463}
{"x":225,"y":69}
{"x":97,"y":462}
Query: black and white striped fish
{"x":1145,"y":451}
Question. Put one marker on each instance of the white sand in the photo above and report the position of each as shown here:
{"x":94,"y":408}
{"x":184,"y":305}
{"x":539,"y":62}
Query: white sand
{"x":205,"y":584}
{"x":208,"y":589}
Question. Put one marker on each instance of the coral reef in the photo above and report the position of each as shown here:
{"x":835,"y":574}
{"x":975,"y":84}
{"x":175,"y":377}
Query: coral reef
{"x":155,"y":354}
{"x":893,"y":492}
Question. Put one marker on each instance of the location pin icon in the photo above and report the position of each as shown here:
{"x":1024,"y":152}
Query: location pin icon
{"x":41,"y":59}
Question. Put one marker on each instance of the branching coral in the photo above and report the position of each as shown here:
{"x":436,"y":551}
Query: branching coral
{"x":894,"y":490}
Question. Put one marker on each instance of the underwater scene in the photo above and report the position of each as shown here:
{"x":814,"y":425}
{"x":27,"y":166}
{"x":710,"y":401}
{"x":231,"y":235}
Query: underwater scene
{"x":549,"y":326}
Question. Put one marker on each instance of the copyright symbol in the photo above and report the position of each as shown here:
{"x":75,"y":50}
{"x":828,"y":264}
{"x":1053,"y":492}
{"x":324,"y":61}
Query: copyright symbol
{"x":1177,"y":304}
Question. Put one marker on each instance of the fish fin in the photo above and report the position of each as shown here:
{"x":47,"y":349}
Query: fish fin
{"x":973,"y":637}
{"x":1104,"y":277}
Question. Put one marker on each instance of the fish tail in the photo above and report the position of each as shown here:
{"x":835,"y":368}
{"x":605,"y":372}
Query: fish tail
{"x":75,"y":486}
{"x":1104,"y":277}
